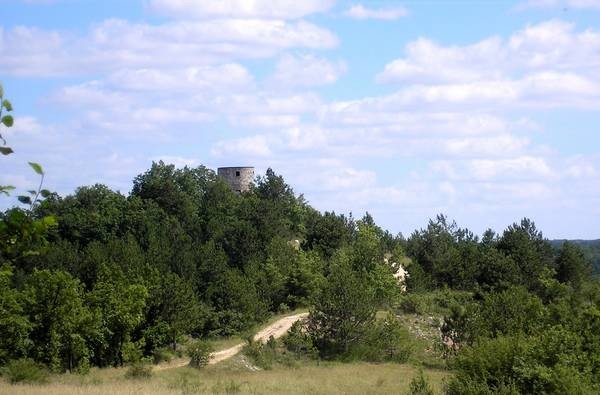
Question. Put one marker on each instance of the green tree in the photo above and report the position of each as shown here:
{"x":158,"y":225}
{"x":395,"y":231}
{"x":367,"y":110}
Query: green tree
{"x":121,"y":308}
{"x":179,"y":307}
{"x":14,"y":324}
{"x":532,"y":254}
{"x":327,"y":233}
{"x":344,"y":311}
{"x":571,"y":265}
{"x":61,"y":323}
{"x":177,"y":191}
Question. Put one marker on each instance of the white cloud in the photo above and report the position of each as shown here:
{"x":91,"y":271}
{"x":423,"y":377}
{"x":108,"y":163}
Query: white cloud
{"x":427,"y":61}
{"x":548,"y":46}
{"x":178,"y":161}
{"x":580,"y":167}
{"x":265,"y":121}
{"x":491,"y":146}
{"x":117,"y":44}
{"x":277,"y":9}
{"x":245,"y":147}
{"x":305,"y":137}
{"x":339,"y":176}
{"x":23,"y":125}
{"x":546,"y":65}
{"x":306,"y":70}
{"x":214,"y":78}
{"x":388,"y":14}
{"x":577,"y":4}
{"x":514,"y":168}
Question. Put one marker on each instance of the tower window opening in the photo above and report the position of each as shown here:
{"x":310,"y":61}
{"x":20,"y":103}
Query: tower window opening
{"x":237,"y":173}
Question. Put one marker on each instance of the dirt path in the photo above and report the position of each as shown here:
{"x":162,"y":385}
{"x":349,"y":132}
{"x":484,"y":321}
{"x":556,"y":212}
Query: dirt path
{"x":276,"y":329}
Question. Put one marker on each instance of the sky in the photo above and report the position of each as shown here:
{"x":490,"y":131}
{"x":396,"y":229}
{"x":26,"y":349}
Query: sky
{"x":486,"y":111}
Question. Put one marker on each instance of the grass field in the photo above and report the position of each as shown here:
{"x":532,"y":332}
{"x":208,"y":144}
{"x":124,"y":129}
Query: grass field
{"x":232,"y":378}
{"x":238,"y":375}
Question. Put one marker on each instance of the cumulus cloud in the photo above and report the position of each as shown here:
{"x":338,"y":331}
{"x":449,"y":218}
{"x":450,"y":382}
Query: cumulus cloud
{"x":277,"y":9}
{"x":388,"y":14}
{"x":223,"y":77}
{"x":178,"y":161}
{"x":551,"y":45}
{"x":306,"y":70}
{"x":544,"y":65}
{"x":576,"y":4}
{"x":118,"y":44}
{"x":245,"y":147}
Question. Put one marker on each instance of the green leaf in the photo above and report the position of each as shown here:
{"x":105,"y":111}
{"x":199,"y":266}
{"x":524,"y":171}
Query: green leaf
{"x":49,"y":220}
{"x":8,"y":120}
{"x":6,"y":188}
{"x":6,"y":150}
{"x":6,"y":104}
{"x":32,"y":192}
{"x":37,"y":168}
{"x":24,"y":199}
{"x":1,"y":91}
{"x":45,"y":193}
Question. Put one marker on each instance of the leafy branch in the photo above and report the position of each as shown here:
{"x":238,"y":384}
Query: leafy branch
{"x":8,"y":121}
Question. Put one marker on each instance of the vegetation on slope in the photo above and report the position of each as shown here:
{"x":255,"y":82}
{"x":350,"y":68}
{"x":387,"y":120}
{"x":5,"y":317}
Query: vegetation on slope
{"x":99,"y":279}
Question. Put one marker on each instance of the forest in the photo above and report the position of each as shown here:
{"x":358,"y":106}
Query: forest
{"x":98,"y":278}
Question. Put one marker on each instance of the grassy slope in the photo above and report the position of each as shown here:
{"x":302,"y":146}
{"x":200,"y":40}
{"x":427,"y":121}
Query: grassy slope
{"x":330,"y":378}
{"x":234,"y":377}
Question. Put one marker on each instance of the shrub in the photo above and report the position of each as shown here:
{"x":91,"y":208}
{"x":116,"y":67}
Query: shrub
{"x":283,"y":308}
{"x":411,"y":304}
{"x":162,"y":355}
{"x":25,"y":370}
{"x":420,"y":386}
{"x":298,"y":341}
{"x":199,"y":353}
{"x":132,"y":352}
{"x":392,"y":340}
{"x":550,"y":363}
{"x":386,"y":340}
{"x":139,"y":370}
{"x":262,"y":355}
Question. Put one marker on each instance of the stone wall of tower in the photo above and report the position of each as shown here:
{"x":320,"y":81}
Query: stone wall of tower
{"x":240,"y":179}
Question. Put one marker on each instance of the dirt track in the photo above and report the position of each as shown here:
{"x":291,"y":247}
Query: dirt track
{"x":276,"y":329}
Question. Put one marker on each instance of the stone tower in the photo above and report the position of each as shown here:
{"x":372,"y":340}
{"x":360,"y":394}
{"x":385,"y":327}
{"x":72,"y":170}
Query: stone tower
{"x":239,"y":178}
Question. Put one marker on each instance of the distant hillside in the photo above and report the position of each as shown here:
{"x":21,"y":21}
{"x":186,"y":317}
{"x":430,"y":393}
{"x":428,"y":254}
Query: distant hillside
{"x":591,"y":249}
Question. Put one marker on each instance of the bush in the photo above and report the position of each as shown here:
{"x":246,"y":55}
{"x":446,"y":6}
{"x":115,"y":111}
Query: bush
{"x":162,"y":355}
{"x":392,"y":340}
{"x":132,"y":352}
{"x":199,"y":353}
{"x":420,"y":386}
{"x":283,"y":308}
{"x":139,"y":370}
{"x":298,"y":341}
{"x":550,"y":363}
{"x":386,"y":340}
{"x":25,"y":371}
{"x":262,"y":355}
{"x":411,"y":304}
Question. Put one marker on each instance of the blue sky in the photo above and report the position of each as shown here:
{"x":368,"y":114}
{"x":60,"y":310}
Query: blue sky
{"x":484,"y":110}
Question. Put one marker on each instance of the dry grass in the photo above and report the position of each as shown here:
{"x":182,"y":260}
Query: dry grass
{"x":233,"y":378}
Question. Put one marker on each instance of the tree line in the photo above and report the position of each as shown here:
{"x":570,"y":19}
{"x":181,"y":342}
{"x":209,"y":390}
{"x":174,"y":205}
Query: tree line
{"x":96,"y":278}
